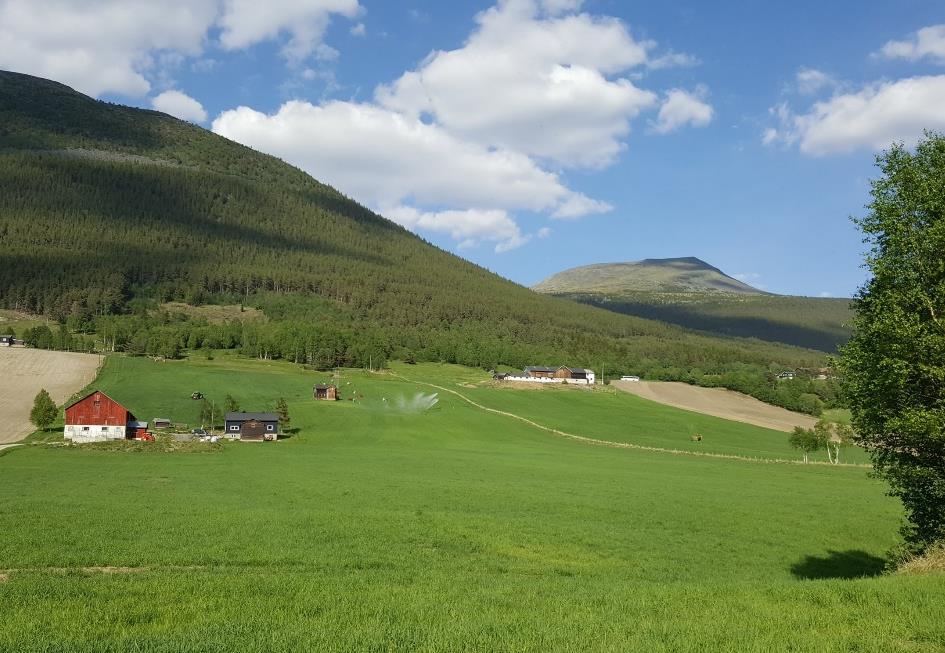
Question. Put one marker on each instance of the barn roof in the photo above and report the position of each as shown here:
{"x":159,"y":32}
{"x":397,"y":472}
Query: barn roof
{"x":539,"y":368}
{"x":323,"y":386}
{"x":245,"y":417}
{"x":89,"y":395}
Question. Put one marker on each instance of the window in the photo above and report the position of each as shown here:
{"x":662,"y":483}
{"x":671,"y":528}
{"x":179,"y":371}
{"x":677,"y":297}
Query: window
{"x":234,"y":427}
{"x":270,"y":427}
{"x":85,"y":428}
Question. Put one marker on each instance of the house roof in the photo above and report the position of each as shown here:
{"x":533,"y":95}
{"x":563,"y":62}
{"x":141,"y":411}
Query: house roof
{"x":577,"y":370}
{"x":323,"y":386}
{"x":245,"y":417}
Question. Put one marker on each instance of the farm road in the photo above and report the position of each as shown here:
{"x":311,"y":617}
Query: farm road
{"x":620,"y":445}
{"x":24,"y":372}
{"x":717,"y":402}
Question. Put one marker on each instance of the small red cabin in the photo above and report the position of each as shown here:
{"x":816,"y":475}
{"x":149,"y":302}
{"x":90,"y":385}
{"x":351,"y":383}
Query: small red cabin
{"x":95,"y":418}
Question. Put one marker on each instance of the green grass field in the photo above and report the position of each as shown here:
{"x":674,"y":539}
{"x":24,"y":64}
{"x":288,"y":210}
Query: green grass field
{"x":375,"y":527}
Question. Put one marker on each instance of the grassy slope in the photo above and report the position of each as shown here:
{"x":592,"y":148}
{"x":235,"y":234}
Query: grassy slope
{"x":373,"y":529}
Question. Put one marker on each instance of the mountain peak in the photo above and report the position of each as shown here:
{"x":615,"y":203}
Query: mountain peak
{"x":674,"y":275}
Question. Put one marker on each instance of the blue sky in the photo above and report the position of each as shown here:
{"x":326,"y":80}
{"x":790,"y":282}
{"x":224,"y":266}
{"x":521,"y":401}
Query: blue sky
{"x":534,"y":135}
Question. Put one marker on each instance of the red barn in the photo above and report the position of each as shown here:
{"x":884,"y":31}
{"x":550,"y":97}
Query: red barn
{"x":96,"y":418}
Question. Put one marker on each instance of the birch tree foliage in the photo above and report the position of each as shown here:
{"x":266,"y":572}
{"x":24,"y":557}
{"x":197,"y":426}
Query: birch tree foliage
{"x":894,"y":367}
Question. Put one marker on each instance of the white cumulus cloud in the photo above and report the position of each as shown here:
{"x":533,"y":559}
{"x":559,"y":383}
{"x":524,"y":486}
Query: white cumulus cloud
{"x":247,"y":22}
{"x":811,"y":80}
{"x":180,"y":105}
{"x":384,"y":158}
{"x":681,"y":108}
{"x":469,"y":227}
{"x":126,"y":46}
{"x":101,"y":45}
{"x":873,"y":117}
{"x":532,"y":80}
{"x":927,"y":43}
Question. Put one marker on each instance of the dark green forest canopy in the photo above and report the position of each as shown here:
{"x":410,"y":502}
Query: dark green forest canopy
{"x":106,"y":208}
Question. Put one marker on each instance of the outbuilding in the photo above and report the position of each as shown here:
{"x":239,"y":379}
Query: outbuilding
{"x":97,"y":418}
{"x":253,"y":427}
{"x":325,"y":392}
{"x":7,"y":341}
{"x":540,"y":372}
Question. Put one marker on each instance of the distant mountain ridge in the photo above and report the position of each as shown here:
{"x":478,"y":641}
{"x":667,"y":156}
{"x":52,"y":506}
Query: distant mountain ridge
{"x":665,"y":275}
{"x":691,"y":293}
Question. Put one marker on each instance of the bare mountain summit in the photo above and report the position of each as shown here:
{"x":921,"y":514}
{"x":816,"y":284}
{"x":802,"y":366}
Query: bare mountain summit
{"x":663,"y":275}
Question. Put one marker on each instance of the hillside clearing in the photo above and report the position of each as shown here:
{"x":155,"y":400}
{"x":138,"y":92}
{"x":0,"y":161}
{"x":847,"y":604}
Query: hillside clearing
{"x":216,"y":313}
{"x":717,"y":402}
{"x":24,"y":372}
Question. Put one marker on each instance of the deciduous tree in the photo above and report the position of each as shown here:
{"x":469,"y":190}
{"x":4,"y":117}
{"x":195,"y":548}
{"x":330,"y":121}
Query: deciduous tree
{"x":44,"y":410}
{"x":894,"y":367}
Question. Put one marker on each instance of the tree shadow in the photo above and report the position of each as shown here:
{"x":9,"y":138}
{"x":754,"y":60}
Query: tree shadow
{"x":839,"y":564}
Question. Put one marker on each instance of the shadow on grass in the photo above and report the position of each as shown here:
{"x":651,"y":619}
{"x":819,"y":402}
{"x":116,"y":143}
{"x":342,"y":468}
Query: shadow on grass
{"x":839,"y":564}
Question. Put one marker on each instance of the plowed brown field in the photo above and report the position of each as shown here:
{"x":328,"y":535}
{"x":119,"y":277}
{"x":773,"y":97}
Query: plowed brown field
{"x":23,"y":372}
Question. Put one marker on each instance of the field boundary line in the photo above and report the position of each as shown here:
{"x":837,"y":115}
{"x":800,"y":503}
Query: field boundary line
{"x":629,"y":445}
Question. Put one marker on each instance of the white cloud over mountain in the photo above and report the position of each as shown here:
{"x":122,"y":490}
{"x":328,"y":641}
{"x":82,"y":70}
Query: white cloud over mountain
{"x":118,"y":46}
{"x":180,"y":105}
{"x":474,"y":134}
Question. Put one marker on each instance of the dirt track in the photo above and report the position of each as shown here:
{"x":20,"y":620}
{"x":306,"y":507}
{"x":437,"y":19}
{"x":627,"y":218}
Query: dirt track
{"x":718,"y":402}
{"x":23,"y":372}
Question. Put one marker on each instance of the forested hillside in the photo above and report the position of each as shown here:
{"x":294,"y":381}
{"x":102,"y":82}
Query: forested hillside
{"x":106,"y":212}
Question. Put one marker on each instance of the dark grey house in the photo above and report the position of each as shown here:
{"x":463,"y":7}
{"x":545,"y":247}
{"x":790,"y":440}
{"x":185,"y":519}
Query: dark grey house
{"x":252,"y":426}
{"x":7,"y":341}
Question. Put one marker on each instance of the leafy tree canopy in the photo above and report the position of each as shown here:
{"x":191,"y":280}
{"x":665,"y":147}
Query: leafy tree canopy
{"x":895,"y":364}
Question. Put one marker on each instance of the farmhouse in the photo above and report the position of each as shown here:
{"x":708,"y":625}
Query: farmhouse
{"x":325,"y":392}
{"x":253,"y":427}
{"x":537,"y":374}
{"x":7,"y":341}
{"x":97,"y":418}
{"x":575,"y":374}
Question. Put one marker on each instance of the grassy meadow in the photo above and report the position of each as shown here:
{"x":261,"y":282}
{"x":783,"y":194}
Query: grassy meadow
{"x":378,"y":525}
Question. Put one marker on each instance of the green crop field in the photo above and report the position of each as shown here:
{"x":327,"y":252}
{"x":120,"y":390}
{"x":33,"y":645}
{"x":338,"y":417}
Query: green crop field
{"x":381,"y":525}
